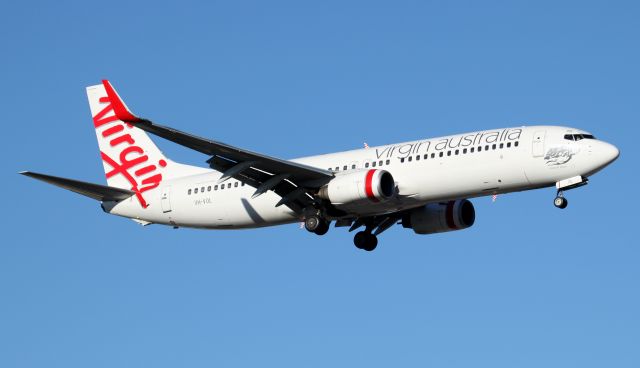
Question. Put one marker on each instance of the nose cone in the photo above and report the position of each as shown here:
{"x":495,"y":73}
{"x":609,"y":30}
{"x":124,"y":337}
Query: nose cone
{"x":609,"y":152}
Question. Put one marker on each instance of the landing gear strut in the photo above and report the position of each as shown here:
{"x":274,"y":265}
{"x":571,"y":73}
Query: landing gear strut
{"x":365,"y":240}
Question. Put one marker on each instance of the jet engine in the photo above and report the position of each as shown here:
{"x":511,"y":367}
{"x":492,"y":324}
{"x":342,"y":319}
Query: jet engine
{"x":370,"y":186}
{"x":440,"y":217}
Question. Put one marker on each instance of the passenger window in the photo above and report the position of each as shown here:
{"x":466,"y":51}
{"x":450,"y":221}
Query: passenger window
{"x":344,"y":167}
{"x":448,"y":153}
{"x":195,"y":191}
{"x":480,"y":149}
{"x":516,"y":144}
{"x":441,"y":154}
{"x":401,"y":159}
{"x":471,"y":149}
{"x":409,"y":158}
{"x":209,"y":188}
{"x":457,"y":151}
{"x":501,"y":145}
{"x":494,"y":146}
{"x":426,"y":156}
{"x":221,"y":186}
{"x":337,"y":168}
{"x":373,"y":164}
{"x":417,"y":157}
{"x":380,"y":163}
{"x":366,"y":164}
{"x":202,"y":190}
{"x":215,"y":187}
{"x":235,"y":184}
{"x":508,"y":144}
{"x":388,"y":162}
{"x":189,"y":192}
{"x":486,"y":148}
{"x":433,"y":155}
{"x":353,"y":166}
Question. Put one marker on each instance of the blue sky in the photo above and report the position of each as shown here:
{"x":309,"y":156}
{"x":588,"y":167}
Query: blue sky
{"x":527,"y":286}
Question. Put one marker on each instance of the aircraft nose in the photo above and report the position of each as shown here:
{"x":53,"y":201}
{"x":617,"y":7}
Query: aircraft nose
{"x":609,"y":152}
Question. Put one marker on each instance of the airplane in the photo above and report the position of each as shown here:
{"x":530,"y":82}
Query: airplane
{"x":423,"y":185}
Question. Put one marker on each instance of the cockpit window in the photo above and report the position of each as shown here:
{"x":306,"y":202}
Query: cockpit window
{"x":577,"y":137}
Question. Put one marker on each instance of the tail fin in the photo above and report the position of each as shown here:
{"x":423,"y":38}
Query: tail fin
{"x":130,"y":158}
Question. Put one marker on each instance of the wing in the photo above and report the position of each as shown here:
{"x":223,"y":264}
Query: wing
{"x":295,"y":183}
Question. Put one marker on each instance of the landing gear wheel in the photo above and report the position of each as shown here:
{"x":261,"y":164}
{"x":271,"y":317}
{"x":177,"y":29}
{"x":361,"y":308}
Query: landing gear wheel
{"x":360,"y":239}
{"x":560,"y":202}
{"x":322,"y":228}
{"x":372,"y":242}
{"x":365,"y":241}
{"x":311,"y":223}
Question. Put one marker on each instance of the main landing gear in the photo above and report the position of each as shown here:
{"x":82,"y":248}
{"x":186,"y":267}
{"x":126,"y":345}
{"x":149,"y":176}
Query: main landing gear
{"x":316,"y":224}
{"x":365,"y":240}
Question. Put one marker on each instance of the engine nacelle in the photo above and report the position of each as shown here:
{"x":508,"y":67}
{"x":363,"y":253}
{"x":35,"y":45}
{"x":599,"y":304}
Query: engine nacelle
{"x":440,"y":217}
{"x":370,"y":186}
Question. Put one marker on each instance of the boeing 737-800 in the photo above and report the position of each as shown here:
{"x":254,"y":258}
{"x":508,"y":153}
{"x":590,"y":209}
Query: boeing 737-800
{"x":423,"y":185}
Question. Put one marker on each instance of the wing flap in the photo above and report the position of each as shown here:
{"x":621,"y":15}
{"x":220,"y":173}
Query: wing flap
{"x":95,"y":191}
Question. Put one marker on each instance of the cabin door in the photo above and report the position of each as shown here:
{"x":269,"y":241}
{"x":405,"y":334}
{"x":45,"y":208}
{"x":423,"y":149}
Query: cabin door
{"x":538,"y":143}
{"x":165,"y":200}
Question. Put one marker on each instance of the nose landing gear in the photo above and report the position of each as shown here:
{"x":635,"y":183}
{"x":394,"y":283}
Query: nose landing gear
{"x":575,"y":182}
{"x":560,"y":201}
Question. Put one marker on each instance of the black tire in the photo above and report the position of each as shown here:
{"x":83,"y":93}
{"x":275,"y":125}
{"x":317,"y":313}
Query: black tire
{"x":560,"y":202}
{"x":371,"y":243}
{"x":360,"y":240}
{"x":565,"y":203}
{"x":322,"y":228}
{"x":311,"y":223}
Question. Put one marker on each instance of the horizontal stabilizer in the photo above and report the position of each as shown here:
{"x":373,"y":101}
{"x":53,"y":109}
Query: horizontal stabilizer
{"x":95,"y":191}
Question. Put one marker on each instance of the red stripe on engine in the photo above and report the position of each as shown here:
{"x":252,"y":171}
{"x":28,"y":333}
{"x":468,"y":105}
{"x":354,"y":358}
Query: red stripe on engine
{"x":449,"y":216}
{"x":368,"y":185}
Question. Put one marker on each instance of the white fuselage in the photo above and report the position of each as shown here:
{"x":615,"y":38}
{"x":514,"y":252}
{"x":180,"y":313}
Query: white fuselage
{"x":426,"y":171}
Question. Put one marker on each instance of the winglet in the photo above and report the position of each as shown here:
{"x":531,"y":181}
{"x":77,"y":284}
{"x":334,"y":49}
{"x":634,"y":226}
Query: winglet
{"x":121,"y":110}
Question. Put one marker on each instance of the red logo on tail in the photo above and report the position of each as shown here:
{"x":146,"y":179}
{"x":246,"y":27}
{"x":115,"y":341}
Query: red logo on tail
{"x":142,"y":179}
